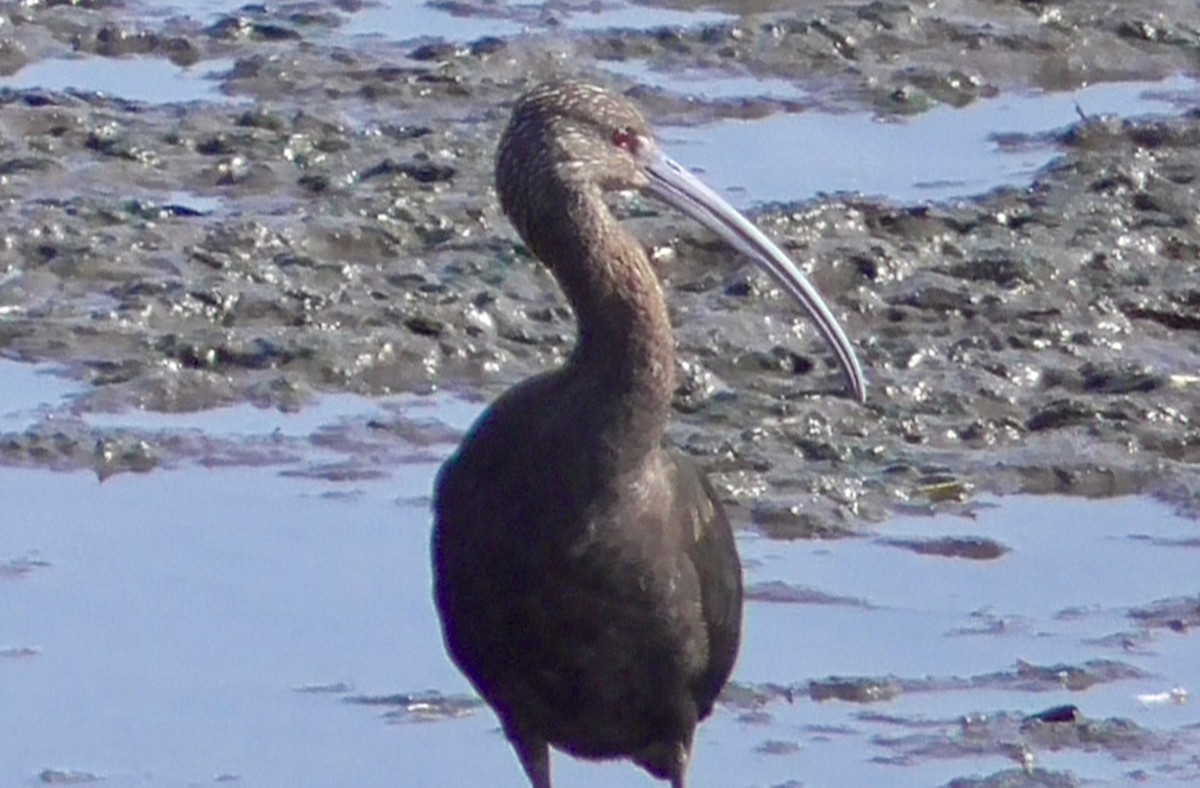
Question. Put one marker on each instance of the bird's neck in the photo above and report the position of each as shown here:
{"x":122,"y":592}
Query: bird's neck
{"x":625,"y":344}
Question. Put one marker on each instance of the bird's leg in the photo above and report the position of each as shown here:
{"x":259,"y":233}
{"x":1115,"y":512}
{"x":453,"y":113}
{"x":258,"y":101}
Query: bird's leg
{"x":666,"y":762}
{"x":679,"y":773}
{"x":535,"y":756}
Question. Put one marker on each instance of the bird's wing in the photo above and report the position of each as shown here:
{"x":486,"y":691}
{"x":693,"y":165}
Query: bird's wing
{"x":713,"y":555}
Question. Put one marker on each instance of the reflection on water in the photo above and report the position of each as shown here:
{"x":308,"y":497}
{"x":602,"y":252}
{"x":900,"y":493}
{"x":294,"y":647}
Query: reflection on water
{"x":169,"y":619}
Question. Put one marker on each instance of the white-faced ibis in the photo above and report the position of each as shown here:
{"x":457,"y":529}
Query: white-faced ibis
{"x":587,"y":578}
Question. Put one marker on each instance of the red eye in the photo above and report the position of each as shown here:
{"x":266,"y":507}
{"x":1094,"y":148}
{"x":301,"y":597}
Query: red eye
{"x":625,"y":138}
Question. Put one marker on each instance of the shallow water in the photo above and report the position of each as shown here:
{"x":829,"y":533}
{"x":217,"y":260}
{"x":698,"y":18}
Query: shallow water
{"x":158,"y":629}
{"x":402,"y":20}
{"x":408,"y":20}
{"x":938,"y":155}
{"x":247,"y":420}
{"x":193,"y":625}
{"x":29,"y":391}
{"x":148,"y":79}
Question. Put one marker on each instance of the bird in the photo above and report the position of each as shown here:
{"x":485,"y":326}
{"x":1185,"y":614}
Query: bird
{"x":586,"y":577}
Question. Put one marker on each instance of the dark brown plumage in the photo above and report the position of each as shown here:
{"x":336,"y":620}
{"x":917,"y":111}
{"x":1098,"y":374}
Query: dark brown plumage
{"x":587,"y":579}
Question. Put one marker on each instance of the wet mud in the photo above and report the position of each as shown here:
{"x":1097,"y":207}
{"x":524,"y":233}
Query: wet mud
{"x":324,"y":223}
{"x":328,"y":225}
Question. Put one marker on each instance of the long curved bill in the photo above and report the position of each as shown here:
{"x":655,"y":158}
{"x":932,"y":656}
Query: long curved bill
{"x":674,"y":185}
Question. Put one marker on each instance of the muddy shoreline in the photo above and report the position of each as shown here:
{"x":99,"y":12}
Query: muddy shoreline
{"x":327,"y":224}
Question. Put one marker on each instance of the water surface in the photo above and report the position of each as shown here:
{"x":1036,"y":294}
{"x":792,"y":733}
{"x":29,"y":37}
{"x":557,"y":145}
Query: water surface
{"x":159,"y":629}
{"x":174,"y":627}
{"x":139,"y":78}
{"x":29,"y":391}
{"x":938,"y":155}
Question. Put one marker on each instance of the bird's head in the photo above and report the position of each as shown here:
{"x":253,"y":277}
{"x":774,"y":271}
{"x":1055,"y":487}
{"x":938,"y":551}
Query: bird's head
{"x":569,"y":138}
{"x":578,"y":133}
